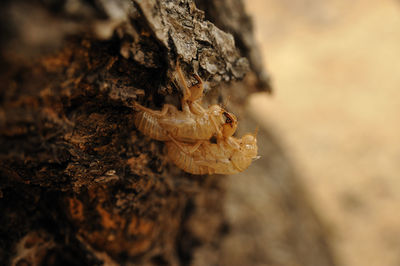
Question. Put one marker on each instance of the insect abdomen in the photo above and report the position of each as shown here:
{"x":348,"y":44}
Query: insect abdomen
{"x":149,"y":126}
{"x":198,"y":131}
{"x":185,"y":161}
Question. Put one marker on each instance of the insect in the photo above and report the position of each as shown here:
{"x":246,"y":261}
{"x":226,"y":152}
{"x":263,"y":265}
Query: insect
{"x":227,"y":156}
{"x":188,"y":133}
{"x":192,"y":124}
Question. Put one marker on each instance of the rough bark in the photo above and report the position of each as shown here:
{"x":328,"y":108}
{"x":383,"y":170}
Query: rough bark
{"x":78,"y":183}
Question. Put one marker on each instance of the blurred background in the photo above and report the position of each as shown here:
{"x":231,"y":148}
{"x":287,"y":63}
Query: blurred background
{"x":335,"y":67}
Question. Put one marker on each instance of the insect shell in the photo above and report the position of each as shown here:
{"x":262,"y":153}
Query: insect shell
{"x":184,"y":125}
{"x":227,"y":156}
{"x":191,"y":124}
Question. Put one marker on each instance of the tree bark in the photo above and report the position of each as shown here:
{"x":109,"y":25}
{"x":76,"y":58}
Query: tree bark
{"x":78,"y":183}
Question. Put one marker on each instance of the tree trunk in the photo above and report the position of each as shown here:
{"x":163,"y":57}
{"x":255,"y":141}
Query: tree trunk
{"x":80,"y":185}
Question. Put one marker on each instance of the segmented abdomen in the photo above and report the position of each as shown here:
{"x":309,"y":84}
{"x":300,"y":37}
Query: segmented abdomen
{"x":149,"y":126}
{"x":185,"y":161}
{"x":207,"y":159}
{"x":194,"y":132}
{"x":190,"y":130}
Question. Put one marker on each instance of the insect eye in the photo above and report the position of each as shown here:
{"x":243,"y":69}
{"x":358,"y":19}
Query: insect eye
{"x":228,"y":119}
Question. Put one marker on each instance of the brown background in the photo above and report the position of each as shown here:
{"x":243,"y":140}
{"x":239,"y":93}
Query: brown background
{"x":335,"y":71}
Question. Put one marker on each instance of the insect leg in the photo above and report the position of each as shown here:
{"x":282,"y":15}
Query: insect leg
{"x":235,"y":166}
{"x":196,"y":96}
{"x":217,"y":129}
{"x":199,"y":80}
{"x":196,"y":108}
{"x":186,"y":92}
{"x":232,"y":143}
{"x":186,"y":151}
{"x":197,"y":89}
{"x":195,"y":147}
{"x":212,"y":166}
